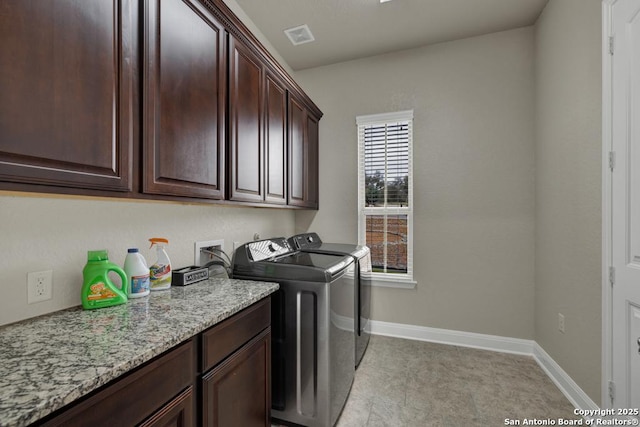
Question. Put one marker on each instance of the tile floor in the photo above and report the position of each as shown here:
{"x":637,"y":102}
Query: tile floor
{"x":412,"y":383}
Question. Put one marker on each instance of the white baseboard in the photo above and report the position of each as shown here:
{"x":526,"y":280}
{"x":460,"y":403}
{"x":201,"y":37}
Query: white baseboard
{"x":560,"y":378}
{"x":448,"y":336}
{"x":565,"y":383}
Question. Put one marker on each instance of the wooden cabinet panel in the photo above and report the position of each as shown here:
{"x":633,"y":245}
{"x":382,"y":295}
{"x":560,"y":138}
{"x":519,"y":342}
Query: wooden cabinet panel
{"x":136,"y":396}
{"x":257,"y":129}
{"x":297,"y":170}
{"x":177,"y":413}
{"x":275,"y":141}
{"x":184,"y":106}
{"x":245,"y":123}
{"x":303,"y":155}
{"x":312,"y":181}
{"x":223,"y":339}
{"x":71,"y":91}
{"x":238,"y":391}
{"x":66,"y":85}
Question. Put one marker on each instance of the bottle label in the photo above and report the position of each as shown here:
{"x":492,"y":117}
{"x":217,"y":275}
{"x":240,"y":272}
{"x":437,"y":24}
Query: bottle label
{"x":139,"y":284}
{"x":99,"y":291}
{"x":159,"y":275}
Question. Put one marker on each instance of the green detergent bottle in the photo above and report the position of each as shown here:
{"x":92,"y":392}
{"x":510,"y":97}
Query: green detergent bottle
{"x":97,"y":289}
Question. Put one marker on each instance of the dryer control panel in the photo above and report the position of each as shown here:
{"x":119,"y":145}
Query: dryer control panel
{"x":267,"y":249}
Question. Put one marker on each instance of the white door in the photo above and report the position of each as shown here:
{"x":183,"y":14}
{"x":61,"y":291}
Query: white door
{"x":625,"y":191}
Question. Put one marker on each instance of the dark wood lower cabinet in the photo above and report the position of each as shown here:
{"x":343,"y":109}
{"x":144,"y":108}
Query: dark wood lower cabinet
{"x":177,"y":413}
{"x":220,"y":377}
{"x":136,"y":396}
{"x":238,"y":391}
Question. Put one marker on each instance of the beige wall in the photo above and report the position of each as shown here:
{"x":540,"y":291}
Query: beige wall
{"x":49,"y":232}
{"x":473,"y":104}
{"x":42,"y":233}
{"x":487,"y":110}
{"x":568,"y":187}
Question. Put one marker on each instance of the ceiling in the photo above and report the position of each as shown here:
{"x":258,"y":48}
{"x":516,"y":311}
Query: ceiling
{"x":350,"y":29}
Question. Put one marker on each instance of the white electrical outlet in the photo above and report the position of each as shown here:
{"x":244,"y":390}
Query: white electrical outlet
{"x":561,"y":322}
{"x":39,"y":286}
{"x":200,"y":258}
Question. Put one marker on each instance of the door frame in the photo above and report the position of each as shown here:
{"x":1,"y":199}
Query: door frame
{"x":607,"y":235}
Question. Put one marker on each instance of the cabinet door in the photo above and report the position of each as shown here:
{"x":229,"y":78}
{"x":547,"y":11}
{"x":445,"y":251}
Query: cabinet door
{"x":312,"y":178}
{"x":135,"y":396}
{"x":303,"y":156}
{"x":275,"y":141}
{"x":66,"y":108}
{"x":245,"y":123}
{"x":184,"y":106}
{"x":177,"y":413}
{"x":297,"y":169}
{"x":238,"y":391}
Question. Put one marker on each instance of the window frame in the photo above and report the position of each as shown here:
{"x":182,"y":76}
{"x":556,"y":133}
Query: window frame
{"x":395,"y":280}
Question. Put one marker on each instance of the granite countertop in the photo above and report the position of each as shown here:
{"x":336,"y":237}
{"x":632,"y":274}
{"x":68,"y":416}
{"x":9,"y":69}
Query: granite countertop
{"x":50,"y":361}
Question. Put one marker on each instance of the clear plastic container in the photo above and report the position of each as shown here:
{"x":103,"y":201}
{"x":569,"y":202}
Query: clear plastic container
{"x":135,"y":267}
{"x":160,"y":272}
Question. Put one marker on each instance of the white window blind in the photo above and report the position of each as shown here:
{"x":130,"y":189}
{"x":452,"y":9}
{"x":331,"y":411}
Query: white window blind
{"x":385,"y":194}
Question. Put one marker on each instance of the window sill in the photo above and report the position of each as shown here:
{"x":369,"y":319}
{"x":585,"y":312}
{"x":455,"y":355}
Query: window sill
{"x":383,"y":282}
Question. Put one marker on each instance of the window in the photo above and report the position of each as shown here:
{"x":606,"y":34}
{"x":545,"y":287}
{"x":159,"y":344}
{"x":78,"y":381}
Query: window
{"x":385,"y":195}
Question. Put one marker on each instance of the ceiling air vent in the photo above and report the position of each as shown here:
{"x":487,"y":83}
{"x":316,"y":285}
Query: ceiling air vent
{"x":299,"y":35}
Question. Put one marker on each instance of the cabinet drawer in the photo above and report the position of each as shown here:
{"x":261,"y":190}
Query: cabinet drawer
{"x":223,"y":339}
{"x":237,"y":392}
{"x":136,"y":396}
{"x":178,"y":412}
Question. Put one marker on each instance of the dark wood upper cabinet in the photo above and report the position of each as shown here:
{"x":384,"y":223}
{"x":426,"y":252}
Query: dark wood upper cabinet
{"x":312,"y":161}
{"x":66,"y":88}
{"x":152,"y":99}
{"x":184,"y":105}
{"x":257,"y":129}
{"x":297,"y":168}
{"x":275,"y":140}
{"x":246,"y":114}
{"x":303,"y":155}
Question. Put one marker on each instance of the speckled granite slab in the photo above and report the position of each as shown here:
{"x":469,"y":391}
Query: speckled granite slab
{"x":50,"y":361}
